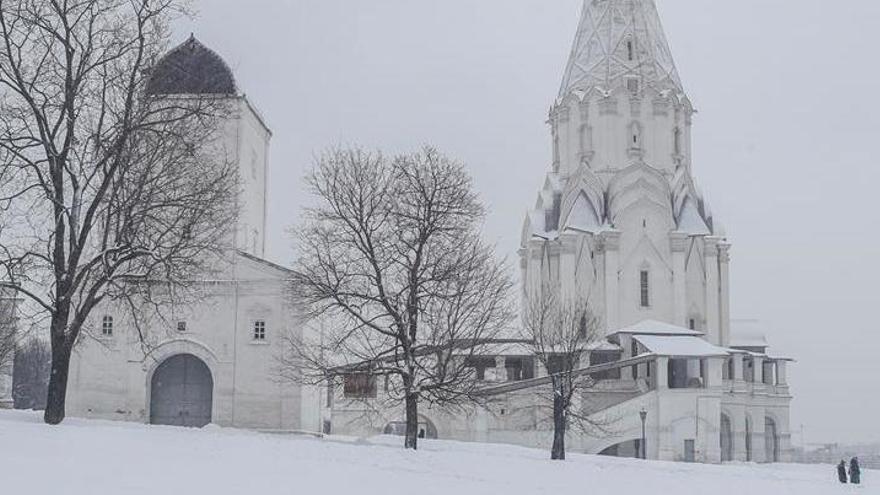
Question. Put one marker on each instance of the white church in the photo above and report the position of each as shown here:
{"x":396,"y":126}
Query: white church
{"x":618,"y":219}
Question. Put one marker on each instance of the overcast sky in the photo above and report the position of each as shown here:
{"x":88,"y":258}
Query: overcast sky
{"x":784,"y":143}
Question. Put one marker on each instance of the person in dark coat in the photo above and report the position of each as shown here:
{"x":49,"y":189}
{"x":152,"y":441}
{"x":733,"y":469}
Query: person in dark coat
{"x":841,"y":472}
{"x":855,"y":474}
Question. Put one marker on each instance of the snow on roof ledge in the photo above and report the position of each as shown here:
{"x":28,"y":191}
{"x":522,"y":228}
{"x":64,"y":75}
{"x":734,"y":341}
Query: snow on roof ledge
{"x":679,"y":346}
{"x":653,"y":327}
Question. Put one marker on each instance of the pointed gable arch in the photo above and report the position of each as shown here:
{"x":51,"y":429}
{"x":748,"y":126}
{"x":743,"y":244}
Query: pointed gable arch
{"x":645,"y":251}
{"x":582,"y":216}
{"x":636,"y":186}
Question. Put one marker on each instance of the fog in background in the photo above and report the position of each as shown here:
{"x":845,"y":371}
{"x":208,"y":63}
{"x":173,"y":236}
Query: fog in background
{"x":784,"y":142}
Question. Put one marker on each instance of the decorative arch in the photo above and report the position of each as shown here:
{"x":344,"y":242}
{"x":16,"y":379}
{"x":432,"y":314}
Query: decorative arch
{"x":582,"y":215}
{"x":174,"y":347}
{"x":427,"y":429}
{"x":182,"y":389}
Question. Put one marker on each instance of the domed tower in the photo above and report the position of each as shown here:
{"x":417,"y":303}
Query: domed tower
{"x":194,"y":70}
{"x":619,"y":221}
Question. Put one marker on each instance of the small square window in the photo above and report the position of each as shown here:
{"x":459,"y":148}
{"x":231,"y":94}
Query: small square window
{"x":260,"y":330}
{"x":181,"y":326}
{"x":107,"y":326}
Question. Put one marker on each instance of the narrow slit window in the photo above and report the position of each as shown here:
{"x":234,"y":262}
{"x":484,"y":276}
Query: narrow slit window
{"x":644,"y":289}
{"x":630,"y":52}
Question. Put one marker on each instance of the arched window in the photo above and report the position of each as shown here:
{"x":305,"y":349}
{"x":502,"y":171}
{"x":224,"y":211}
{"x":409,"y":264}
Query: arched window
{"x":630,"y":50}
{"x":107,"y":326}
{"x":676,"y":141}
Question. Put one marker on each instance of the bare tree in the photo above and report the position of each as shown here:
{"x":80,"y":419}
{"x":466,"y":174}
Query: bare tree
{"x":391,"y":263}
{"x":562,"y":333}
{"x":107,"y":192}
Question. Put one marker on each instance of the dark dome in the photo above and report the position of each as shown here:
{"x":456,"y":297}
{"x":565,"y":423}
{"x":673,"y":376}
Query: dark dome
{"x":191,"y":68}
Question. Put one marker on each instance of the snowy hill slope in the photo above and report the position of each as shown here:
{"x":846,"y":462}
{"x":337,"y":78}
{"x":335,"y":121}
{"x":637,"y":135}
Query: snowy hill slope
{"x":92,"y":457}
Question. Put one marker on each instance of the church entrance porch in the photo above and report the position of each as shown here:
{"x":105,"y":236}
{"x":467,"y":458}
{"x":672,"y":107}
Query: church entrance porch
{"x":181,"y":392}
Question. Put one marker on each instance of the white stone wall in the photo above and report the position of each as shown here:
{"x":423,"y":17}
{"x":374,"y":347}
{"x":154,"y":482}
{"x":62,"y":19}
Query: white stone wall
{"x":251,"y":150}
{"x":598,"y":128}
{"x":674,"y":416}
{"x":110,"y":376}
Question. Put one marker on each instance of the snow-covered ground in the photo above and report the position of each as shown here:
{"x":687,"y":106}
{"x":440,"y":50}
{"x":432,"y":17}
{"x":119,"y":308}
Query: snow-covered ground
{"x":93,"y":457}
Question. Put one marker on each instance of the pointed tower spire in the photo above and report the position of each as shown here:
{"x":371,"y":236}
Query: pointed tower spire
{"x":616,"y":41}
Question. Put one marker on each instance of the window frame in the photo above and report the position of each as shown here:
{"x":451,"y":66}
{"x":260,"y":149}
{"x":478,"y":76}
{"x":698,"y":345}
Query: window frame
{"x":107,"y":326}
{"x":367,"y":390}
{"x":258,"y":331}
{"x":644,"y":288}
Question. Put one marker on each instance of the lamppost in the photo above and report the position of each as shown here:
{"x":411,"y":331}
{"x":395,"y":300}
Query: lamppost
{"x":644,"y":415}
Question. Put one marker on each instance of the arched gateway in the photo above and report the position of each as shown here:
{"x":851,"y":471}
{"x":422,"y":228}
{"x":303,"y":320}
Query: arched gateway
{"x":181,"y":392}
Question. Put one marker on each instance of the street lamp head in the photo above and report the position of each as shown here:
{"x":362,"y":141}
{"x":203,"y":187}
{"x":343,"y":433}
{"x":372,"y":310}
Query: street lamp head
{"x":643,"y":414}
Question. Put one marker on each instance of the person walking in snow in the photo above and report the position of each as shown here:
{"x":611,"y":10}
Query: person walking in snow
{"x":841,"y":471}
{"x":855,"y":474}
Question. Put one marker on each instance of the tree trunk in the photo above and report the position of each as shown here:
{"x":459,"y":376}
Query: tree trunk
{"x":412,"y":421}
{"x":558,"y":451}
{"x":57,"y":396}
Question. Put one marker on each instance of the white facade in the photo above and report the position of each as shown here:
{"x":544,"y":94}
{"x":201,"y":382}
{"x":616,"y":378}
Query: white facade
{"x":235,"y":331}
{"x":620,"y":222}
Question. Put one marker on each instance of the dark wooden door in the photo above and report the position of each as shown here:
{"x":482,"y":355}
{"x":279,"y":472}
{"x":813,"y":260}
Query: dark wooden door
{"x":182,"y":392}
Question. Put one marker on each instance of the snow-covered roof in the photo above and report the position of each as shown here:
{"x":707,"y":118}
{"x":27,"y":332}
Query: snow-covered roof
{"x":691,"y":221}
{"x":747,"y":333}
{"x":583,"y":216}
{"x":526,"y":349}
{"x":679,"y":346}
{"x":653,"y":327}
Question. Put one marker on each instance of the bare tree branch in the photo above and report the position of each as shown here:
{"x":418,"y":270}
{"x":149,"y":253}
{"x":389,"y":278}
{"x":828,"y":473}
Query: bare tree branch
{"x":107,"y":193}
{"x":392,"y":271}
